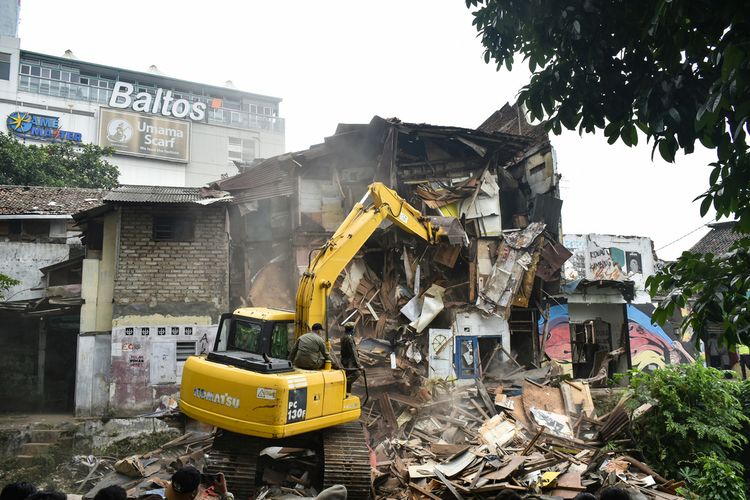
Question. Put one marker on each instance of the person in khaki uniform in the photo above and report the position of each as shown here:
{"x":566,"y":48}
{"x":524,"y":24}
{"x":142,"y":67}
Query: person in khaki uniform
{"x":309,"y":351}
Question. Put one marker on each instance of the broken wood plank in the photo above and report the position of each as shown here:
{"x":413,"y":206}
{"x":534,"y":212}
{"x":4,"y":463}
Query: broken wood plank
{"x":451,"y":487}
{"x":389,"y":417}
{"x":482,"y":390}
{"x":515,"y":462}
{"x":423,"y":491}
{"x":479,"y":408}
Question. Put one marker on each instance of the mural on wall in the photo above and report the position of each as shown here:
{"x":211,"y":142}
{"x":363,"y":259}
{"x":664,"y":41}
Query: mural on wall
{"x":650,"y":346}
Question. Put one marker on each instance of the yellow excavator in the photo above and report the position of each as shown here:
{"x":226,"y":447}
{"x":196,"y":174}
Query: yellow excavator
{"x":247,"y":388}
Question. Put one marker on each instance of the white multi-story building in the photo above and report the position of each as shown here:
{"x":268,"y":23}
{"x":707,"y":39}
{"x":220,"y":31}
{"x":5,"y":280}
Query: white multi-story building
{"x":165,"y":131}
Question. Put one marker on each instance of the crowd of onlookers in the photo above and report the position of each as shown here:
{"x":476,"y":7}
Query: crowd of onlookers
{"x":186,"y":483}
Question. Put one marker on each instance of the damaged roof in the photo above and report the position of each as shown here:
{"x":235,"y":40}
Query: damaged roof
{"x":718,"y":240}
{"x":418,"y":146}
{"x":511,"y":119}
{"x":40,"y":200}
{"x":164,"y":194}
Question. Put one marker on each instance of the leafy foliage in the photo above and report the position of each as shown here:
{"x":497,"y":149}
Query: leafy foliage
{"x":6,"y":283}
{"x":677,"y":70}
{"x":711,"y":478}
{"x":720,"y":294}
{"x":55,"y":164}
{"x":697,"y":413}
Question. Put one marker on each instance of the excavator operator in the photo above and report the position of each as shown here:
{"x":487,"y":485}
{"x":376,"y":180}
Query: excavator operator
{"x":309,"y":351}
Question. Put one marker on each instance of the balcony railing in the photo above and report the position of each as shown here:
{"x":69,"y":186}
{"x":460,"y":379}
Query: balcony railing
{"x":240,"y":119}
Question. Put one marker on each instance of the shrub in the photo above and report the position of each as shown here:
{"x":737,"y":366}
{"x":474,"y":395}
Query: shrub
{"x":697,"y":413}
{"x":711,"y":478}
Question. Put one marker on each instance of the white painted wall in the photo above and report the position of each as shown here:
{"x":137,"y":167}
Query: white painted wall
{"x":22,"y":261}
{"x":610,"y":257}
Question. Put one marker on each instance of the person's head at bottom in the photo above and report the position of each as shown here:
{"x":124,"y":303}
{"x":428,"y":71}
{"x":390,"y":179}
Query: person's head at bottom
{"x":508,"y":494}
{"x":17,"y":491}
{"x":184,"y":483}
{"x":349,"y":328}
{"x":613,"y":493}
{"x":113,"y":492}
{"x":317,"y":328}
{"x":584,"y":496}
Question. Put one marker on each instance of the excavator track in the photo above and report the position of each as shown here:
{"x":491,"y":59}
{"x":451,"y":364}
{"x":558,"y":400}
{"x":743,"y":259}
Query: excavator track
{"x":344,"y":448}
{"x":347,"y":460}
{"x":236,"y":456}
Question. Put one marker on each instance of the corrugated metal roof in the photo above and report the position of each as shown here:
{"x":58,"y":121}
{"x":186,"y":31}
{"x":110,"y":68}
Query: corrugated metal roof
{"x":161,"y":194}
{"x":718,"y":240}
{"x":39,"y":200}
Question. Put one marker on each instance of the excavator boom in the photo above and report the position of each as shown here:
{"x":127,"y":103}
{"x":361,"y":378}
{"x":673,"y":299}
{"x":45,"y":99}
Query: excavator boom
{"x":379,"y":204}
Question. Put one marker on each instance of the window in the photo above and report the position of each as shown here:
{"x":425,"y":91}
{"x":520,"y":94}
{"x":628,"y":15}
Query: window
{"x":241,"y":150}
{"x":184,"y":350}
{"x":84,"y":80}
{"x":253,"y":108}
{"x":25,"y":69}
{"x":4,"y":66}
{"x":36,"y":71}
{"x":172,"y":228}
{"x":245,"y":337}
{"x":280,"y":339}
{"x":268,"y":111}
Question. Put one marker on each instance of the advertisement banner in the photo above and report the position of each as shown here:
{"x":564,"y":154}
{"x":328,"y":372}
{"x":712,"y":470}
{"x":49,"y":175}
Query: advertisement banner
{"x":144,"y":135}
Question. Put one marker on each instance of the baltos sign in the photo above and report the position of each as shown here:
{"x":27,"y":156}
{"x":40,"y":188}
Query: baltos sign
{"x":162,"y":102}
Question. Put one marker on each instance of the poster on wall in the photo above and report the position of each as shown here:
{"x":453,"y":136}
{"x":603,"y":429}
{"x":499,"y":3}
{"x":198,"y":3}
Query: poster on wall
{"x":148,"y":136}
{"x":633,"y":260}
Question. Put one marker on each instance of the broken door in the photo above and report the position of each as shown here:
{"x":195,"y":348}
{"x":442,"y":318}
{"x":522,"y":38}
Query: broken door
{"x":441,"y":353}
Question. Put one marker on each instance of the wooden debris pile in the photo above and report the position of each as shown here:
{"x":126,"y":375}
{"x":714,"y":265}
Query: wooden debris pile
{"x":139,"y":474}
{"x":534,"y":438}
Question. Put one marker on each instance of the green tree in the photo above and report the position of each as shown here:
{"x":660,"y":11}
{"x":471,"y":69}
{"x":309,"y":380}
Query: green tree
{"x":6,"y":283}
{"x":60,"y":164}
{"x":678,"y":71}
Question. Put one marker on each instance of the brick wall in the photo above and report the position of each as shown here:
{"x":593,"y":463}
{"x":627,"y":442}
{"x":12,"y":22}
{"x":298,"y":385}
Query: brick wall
{"x":171,"y":277}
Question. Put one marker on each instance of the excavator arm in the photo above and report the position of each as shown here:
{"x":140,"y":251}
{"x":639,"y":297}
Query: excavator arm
{"x":380,"y":203}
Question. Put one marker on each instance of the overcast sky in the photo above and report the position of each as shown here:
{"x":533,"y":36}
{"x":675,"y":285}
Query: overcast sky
{"x":345,"y":61}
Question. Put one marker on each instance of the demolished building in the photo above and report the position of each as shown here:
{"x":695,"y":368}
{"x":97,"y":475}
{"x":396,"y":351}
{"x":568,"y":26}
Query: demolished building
{"x":450,"y":311}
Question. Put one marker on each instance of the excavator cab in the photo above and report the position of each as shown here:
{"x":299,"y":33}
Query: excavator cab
{"x":255,"y":331}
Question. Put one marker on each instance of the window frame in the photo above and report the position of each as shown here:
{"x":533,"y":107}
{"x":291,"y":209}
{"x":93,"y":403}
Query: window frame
{"x":175,"y":233}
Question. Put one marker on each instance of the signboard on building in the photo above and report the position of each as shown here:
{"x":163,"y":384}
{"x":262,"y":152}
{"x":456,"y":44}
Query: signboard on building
{"x":124,"y":96}
{"x":144,"y":135}
{"x":40,"y":127}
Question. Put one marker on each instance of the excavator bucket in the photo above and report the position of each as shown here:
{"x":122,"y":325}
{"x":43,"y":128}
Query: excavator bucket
{"x":449,"y":228}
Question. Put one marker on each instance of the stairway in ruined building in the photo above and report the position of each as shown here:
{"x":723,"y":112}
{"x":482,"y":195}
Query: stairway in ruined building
{"x":42,"y":443}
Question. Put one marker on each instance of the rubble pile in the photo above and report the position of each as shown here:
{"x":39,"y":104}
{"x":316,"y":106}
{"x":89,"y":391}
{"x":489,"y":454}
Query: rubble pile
{"x":533,"y":437}
{"x":142,"y":474}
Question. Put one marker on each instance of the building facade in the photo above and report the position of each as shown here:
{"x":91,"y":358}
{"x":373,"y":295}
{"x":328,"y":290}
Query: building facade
{"x":165,"y":131}
{"x":154,"y":283}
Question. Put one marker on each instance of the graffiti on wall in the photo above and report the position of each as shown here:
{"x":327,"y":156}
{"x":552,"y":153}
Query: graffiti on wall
{"x":650,"y":346}
{"x":604,"y":257}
